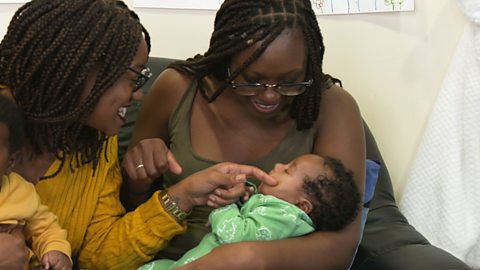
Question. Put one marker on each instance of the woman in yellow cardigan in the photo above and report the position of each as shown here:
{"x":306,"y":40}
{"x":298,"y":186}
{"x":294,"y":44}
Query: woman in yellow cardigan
{"x":74,"y":67}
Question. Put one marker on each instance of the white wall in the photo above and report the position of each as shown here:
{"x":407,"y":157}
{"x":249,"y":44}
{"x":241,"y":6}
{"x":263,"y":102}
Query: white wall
{"x":393,"y":63}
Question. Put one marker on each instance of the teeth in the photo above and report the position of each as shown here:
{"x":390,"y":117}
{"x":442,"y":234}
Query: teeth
{"x":265,"y":106}
{"x":122,"y":112}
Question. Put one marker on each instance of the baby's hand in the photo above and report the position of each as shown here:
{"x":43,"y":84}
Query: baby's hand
{"x":249,"y":191}
{"x":56,"y":260}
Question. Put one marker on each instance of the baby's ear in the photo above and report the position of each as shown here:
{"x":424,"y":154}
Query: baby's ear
{"x":305,"y":205}
{"x":11,"y":161}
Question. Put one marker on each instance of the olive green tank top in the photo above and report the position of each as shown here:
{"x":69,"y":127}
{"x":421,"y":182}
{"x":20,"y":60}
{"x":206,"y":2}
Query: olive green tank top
{"x":293,"y":145}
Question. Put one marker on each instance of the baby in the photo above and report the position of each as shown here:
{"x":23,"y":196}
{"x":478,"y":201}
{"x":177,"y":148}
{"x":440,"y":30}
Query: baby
{"x":312,"y":194}
{"x":19,"y":203}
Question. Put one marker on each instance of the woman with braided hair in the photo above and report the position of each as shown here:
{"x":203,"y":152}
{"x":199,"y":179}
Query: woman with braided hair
{"x":258,"y":96}
{"x":74,"y":67}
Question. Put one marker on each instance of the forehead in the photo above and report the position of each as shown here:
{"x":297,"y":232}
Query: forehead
{"x":283,"y":54}
{"x":311,"y":165}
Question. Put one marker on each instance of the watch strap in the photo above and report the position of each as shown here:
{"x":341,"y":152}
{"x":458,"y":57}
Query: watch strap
{"x":171,"y":206}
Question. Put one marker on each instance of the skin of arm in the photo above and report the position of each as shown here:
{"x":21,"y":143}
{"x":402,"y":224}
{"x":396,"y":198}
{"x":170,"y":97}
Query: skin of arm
{"x":13,"y":250}
{"x":340,"y":135}
{"x":151,"y":127}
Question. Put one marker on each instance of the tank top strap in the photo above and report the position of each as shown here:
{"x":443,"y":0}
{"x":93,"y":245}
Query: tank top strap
{"x":327,"y":84}
{"x":180,"y":117}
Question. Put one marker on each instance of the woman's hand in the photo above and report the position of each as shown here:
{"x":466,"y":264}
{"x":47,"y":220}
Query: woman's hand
{"x":13,"y":250}
{"x":218,"y":185}
{"x":146,"y":161}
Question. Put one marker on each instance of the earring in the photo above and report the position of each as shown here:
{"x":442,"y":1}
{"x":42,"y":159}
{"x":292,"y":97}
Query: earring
{"x":11,"y":163}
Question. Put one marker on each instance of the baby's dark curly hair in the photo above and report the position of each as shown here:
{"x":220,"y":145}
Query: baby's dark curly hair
{"x":11,"y":116}
{"x":335,"y":199}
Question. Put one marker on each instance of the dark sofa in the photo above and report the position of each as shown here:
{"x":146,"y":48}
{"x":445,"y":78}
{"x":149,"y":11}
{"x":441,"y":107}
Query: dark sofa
{"x":389,"y":242}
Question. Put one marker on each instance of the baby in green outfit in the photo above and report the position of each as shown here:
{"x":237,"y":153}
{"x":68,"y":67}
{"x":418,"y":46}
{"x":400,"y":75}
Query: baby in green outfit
{"x":313,"y":193}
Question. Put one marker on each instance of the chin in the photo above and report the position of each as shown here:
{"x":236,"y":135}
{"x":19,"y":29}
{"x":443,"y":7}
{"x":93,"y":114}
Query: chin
{"x":111,"y":131}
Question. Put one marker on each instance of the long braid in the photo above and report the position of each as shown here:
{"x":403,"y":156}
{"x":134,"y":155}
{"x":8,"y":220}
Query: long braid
{"x":241,"y":23}
{"x":50,"y":49}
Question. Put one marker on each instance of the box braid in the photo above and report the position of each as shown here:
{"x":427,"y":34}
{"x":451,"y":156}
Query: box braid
{"x":11,"y":116}
{"x":241,"y":23}
{"x":50,"y":48}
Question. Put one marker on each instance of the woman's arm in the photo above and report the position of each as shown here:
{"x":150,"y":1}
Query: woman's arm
{"x":149,"y":142}
{"x":115,"y":240}
{"x":339,"y":135}
{"x":13,"y":250}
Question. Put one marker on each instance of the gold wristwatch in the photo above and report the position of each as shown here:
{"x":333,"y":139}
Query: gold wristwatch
{"x":172,"y":207}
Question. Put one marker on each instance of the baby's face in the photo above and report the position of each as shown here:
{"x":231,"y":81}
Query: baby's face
{"x":291,"y":176}
{"x":4,"y":148}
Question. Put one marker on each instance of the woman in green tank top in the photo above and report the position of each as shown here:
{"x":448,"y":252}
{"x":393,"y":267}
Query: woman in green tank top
{"x":258,"y":96}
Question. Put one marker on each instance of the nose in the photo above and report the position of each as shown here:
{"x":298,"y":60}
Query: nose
{"x":137,"y":95}
{"x":269,"y":95}
{"x":279,"y":167}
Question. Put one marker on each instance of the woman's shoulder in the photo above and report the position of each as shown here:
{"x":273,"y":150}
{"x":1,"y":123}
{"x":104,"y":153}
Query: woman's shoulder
{"x":339,"y":130}
{"x":171,"y":84}
{"x":165,"y":93}
{"x":337,"y":105}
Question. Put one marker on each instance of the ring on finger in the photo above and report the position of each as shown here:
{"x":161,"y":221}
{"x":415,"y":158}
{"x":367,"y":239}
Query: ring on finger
{"x":140,"y":166}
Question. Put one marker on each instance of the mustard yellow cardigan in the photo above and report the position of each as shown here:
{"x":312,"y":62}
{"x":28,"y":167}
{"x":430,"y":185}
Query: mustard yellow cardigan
{"x":101,"y":234}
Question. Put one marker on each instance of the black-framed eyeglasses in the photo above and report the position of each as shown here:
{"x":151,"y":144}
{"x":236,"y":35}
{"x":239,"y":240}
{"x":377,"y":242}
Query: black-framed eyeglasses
{"x":285,"y":89}
{"x":143,"y":76}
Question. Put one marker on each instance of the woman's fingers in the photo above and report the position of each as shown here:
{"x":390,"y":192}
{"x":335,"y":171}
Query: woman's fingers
{"x":216,"y":186}
{"x":173,"y":164}
{"x":221,"y":196}
{"x":149,"y":159}
{"x":254,"y":172}
{"x":133,"y":164}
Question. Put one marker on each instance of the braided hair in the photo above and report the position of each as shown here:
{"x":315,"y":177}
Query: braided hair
{"x":241,"y":23}
{"x":11,"y":117}
{"x":50,"y":48}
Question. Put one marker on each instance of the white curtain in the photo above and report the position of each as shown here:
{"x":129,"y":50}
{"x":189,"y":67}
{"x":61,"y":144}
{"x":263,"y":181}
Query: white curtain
{"x":442,"y":195}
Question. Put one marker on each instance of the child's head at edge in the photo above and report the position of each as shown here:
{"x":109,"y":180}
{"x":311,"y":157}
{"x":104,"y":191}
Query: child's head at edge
{"x":11,"y":133}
